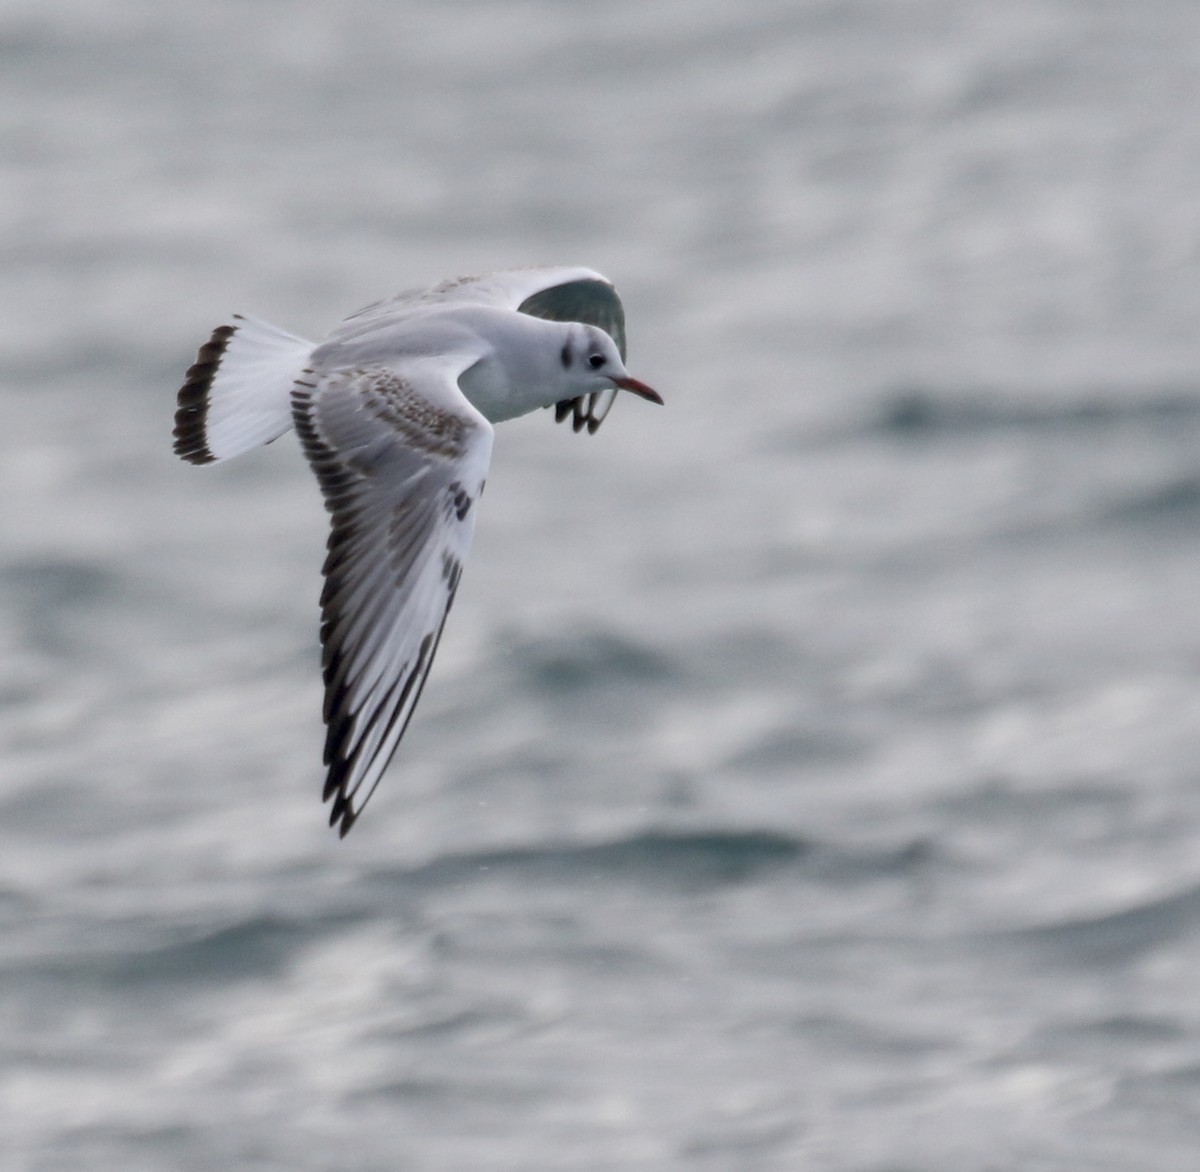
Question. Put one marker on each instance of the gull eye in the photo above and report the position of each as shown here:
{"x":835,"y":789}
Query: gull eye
{"x":595,"y":361}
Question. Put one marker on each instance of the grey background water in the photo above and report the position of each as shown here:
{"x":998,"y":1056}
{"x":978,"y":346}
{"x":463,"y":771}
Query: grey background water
{"x":810,"y":774}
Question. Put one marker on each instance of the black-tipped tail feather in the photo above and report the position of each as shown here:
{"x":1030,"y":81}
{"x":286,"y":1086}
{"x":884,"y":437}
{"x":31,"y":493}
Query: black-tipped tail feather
{"x":236,"y":395}
{"x":191,"y":413}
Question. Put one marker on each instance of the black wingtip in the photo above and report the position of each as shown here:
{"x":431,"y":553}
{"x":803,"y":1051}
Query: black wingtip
{"x":341,"y":812}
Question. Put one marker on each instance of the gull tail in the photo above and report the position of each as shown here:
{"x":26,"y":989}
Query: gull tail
{"x":237,"y":394}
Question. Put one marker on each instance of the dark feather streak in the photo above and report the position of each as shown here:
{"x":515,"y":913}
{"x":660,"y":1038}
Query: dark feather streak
{"x":191,"y":413}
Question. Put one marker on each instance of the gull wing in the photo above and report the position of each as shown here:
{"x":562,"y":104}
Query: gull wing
{"x":401,"y":458}
{"x":503,"y":290}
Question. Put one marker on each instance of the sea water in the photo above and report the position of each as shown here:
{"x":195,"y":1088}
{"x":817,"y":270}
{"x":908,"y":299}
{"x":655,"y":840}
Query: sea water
{"x":810,"y":774}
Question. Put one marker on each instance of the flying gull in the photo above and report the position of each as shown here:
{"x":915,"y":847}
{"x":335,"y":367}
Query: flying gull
{"x":394,"y":411}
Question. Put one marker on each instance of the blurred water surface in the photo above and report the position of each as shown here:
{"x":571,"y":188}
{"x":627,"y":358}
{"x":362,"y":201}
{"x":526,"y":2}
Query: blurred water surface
{"x":809,"y":775}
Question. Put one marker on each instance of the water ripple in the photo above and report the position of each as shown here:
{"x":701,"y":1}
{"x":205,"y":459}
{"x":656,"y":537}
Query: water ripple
{"x":920,"y":412}
{"x":679,"y":859}
{"x":1119,"y":937}
{"x":694,"y":859}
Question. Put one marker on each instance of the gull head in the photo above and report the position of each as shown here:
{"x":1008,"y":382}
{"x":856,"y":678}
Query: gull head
{"x":591,"y":362}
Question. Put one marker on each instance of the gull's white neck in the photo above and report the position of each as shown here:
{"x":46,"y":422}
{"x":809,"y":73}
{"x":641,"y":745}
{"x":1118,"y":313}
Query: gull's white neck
{"x":521,"y":368}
